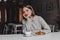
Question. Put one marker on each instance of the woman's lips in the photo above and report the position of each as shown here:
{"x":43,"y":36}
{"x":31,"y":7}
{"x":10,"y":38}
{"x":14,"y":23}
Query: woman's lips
{"x":26,"y":14}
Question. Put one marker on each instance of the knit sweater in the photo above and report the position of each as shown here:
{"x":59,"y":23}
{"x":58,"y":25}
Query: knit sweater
{"x":36,"y":25}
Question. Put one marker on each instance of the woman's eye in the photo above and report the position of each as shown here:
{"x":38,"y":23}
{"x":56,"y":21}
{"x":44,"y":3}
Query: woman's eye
{"x":23,"y":12}
{"x":26,"y":10}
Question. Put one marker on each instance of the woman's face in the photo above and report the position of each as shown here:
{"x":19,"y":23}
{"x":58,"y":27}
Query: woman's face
{"x":27,"y":12}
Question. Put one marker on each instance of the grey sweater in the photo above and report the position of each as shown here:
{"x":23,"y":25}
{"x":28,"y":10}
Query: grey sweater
{"x":36,"y":25}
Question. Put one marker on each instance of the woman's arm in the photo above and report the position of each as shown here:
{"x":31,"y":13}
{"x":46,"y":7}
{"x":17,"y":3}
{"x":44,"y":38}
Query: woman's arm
{"x":44,"y":25}
{"x":24,"y":26}
{"x":27,"y":26}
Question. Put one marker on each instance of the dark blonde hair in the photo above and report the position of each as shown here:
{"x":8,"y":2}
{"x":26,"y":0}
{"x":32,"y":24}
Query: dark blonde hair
{"x":30,"y":7}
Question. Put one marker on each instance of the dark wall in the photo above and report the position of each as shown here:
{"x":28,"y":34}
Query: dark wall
{"x":12,"y":12}
{"x":58,"y":12}
{"x":2,"y":9}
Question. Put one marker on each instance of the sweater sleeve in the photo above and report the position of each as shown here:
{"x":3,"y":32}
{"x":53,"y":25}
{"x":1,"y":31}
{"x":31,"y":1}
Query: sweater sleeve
{"x":44,"y":25}
{"x":26,"y":26}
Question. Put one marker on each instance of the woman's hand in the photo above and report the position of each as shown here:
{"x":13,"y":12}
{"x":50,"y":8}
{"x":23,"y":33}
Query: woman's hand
{"x":40,"y":33}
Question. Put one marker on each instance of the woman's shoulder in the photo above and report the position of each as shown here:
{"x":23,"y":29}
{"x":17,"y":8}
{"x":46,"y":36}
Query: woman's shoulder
{"x":38,"y":16}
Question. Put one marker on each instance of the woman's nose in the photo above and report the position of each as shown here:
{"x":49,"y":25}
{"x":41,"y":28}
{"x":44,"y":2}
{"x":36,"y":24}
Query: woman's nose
{"x":25,"y":12}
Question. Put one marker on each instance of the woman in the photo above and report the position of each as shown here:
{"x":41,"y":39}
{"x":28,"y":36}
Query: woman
{"x":33,"y":22}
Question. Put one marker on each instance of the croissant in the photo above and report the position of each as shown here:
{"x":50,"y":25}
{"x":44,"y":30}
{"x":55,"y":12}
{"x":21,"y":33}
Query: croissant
{"x":40,"y":33}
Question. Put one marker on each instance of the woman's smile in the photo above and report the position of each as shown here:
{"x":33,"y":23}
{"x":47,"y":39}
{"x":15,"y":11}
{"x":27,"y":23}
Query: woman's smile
{"x":26,"y":15}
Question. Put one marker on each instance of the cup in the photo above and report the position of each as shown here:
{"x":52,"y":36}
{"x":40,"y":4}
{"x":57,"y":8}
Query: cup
{"x":28,"y":34}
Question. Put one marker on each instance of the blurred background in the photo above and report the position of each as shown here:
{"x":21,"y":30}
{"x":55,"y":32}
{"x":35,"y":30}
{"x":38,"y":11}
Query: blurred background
{"x":11,"y":14}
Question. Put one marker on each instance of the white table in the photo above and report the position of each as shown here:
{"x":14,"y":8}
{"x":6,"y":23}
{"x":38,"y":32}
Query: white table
{"x":50,"y":36}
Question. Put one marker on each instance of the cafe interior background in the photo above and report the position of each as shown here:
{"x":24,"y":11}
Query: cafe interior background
{"x":11,"y":14}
